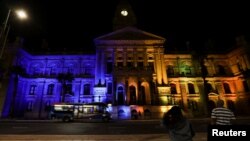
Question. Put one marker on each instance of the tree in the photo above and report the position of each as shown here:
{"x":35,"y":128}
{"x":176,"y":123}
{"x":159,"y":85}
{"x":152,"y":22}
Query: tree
{"x":64,"y":78}
{"x":16,"y":71}
{"x":199,"y":55}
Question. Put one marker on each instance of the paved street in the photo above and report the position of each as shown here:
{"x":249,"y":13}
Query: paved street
{"x":142,"y":137}
{"x":130,"y":130}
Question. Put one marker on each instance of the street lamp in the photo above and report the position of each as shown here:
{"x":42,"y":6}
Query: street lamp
{"x":3,"y":38}
{"x":21,"y":14}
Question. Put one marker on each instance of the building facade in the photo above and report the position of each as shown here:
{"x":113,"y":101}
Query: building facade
{"x":132,"y":71}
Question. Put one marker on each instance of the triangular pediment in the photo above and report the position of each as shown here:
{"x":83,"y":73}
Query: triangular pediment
{"x":129,"y":33}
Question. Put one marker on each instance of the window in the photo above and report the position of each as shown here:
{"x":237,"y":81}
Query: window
{"x":69,"y":89}
{"x":32,"y":90}
{"x":140,"y":58}
{"x":191,"y":88}
{"x":86,"y":89}
{"x":109,"y":67}
{"x":70,"y":70}
{"x":151,"y":65}
{"x":209,"y":88}
{"x":36,"y":71}
{"x":140,"y":64}
{"x":221,"y":70}
{"x":109,"y":58}
{"x":227,"y":88}
{"x":130,"y":58}
{"x":50,"y":89}
{"x":129,"y":64}
{"x":170,"y":70}
{"x":29,"y":106}
{"x":53,"y":71}
{"x":109,"y":88}
{"x":120,"y":64}
{"x":142,"y":96}
{"x":150,"y":58}
{"x":120,"y":96}
{"x":173,"y":88}
{"x":132,"y":95}
{"x":87,"y":71}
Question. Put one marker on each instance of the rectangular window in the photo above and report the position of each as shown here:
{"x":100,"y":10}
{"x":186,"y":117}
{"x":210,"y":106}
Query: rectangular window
{"x":30,"y":106}
{"x":69,"y":89}
{"x":151,"y":65}
{"x":140,"y":64}
{"x":87,"y":71}
{"x":86,"y":89}
{"x":129,"y":64}
{"x":50,"y":89}
{"x":109,"y":88}
{"x":109,"y":67}
{"x":119,"y":64}
{"x":32,"y":90}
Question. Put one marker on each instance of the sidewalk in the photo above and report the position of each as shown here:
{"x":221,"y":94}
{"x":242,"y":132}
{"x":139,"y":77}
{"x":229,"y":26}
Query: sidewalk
{"x":141,"y":137}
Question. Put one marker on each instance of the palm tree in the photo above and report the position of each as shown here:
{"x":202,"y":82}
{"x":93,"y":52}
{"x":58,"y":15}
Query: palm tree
{"x":63,"y":78}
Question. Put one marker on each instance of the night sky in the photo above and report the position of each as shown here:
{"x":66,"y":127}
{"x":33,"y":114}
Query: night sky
{"x":72,"y":25}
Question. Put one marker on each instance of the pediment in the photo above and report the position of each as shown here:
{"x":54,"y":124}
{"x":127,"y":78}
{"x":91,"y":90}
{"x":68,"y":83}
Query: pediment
{"x":129,"y":33}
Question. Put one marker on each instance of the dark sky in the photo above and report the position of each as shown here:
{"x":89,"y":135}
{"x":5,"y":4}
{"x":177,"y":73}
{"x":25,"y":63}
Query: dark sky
{"x":74,"y":24}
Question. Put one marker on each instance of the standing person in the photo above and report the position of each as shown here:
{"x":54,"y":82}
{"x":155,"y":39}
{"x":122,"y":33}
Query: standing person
{"x":180,"y":129}
{"x":221,"y":115}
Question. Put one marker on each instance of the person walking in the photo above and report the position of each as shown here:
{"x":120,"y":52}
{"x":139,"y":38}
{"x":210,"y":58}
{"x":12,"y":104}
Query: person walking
{"x":179,"y":128}
{"x":221,"y":115}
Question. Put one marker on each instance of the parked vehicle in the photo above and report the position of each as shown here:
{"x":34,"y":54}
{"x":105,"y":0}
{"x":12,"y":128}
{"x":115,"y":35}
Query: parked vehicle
{"x":71,"y":111}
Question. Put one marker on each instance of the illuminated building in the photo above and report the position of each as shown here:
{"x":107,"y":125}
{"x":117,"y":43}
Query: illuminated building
{"x":130,"y":70}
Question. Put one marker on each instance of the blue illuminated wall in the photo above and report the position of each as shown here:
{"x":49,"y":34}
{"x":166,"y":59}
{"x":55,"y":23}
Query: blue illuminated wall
{"x":39,"y":87}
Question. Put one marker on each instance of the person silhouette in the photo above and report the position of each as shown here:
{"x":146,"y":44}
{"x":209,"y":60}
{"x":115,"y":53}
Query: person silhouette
{"x":221,"y":115}
{"x":179,"y":128}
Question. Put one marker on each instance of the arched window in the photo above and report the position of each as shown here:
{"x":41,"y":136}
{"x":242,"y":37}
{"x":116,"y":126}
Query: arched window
{"x":209,"y":88}
{"x":142,"y":96}
{"x":132,"y":95}
{"x":173,"y":88}
{"x":191,"y":88}
{"x":227,"y":88}
{"x":120,"y":95}
{"x":86,"y":89}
